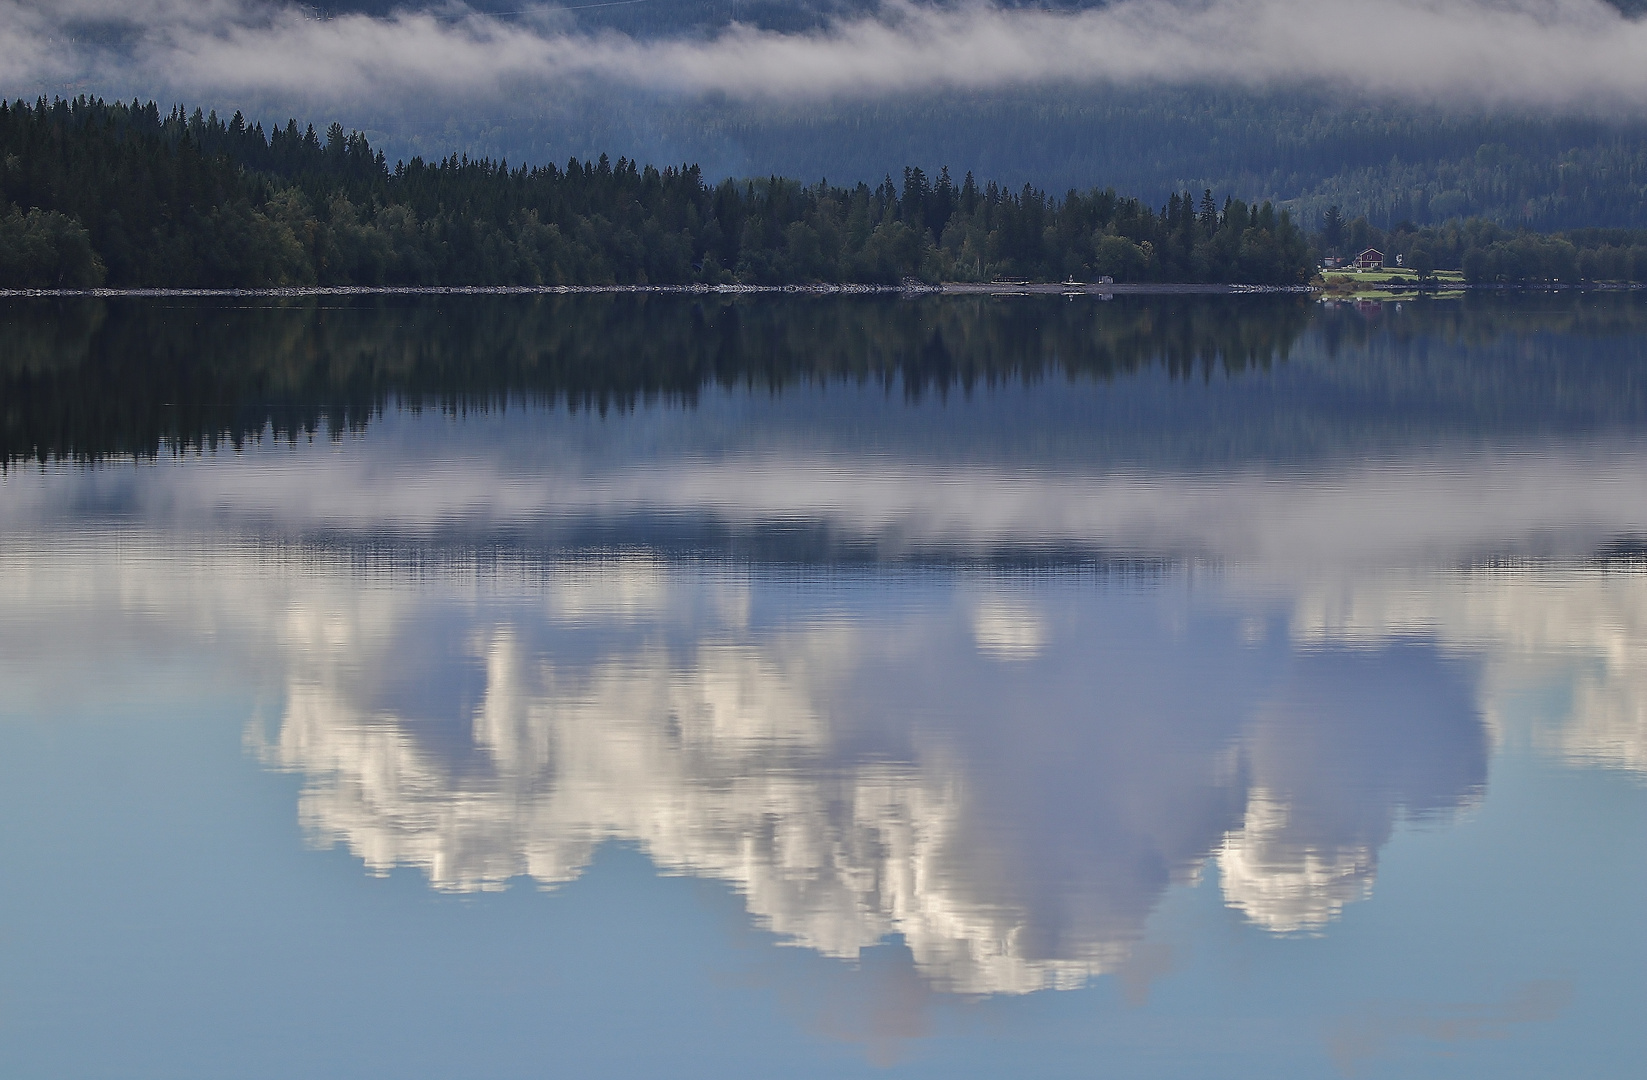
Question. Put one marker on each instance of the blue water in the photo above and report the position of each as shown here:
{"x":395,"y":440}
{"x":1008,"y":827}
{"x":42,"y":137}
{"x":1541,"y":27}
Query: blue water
{"x":1260,"y":723}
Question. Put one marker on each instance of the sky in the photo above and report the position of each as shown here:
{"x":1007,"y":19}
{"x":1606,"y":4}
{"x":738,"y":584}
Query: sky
{"x":1563,"y":56}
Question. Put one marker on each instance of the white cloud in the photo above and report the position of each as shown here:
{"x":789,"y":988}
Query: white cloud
{"x":1570,"y":55}
{"x":1429,"y":509}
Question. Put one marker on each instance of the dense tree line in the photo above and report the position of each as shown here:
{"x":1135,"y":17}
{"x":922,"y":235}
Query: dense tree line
{"x":126,"y":195}
{"x":1489,"y":253}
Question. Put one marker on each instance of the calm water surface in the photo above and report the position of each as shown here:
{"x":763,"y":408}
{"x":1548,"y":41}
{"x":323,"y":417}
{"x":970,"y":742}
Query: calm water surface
{"x":617,"y":686}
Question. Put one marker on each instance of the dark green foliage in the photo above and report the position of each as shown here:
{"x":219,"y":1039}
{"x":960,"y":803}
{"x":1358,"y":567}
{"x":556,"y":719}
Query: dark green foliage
{"x":1544,"y":187}
{"x":195,"y":201}
{"x":42,"y":249}
{"x":1490,"y":254}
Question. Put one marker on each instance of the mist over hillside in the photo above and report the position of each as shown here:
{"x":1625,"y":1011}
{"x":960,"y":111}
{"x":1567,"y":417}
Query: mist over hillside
{"x":653,"y":18}
{"x":1389,"y":163}
{"x":1524,"y":111}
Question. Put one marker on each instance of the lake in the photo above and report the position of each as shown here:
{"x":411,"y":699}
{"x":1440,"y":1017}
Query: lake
{"x":709,"y":686}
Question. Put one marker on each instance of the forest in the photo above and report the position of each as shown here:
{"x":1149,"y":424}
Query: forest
{"x":126,"y":195}
{"x":1491,"y":254}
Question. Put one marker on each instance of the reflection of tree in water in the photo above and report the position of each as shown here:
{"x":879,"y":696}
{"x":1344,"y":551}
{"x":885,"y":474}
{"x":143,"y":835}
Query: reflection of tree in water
{"x":84,"y":379}
{"x":1480,"y":320}
{"x":1564,"y":362}
{"x":90,"y":378}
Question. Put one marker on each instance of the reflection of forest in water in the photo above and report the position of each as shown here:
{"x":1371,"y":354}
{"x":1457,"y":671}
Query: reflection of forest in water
{"x":91,"y":378}
{"x":95,"y":377}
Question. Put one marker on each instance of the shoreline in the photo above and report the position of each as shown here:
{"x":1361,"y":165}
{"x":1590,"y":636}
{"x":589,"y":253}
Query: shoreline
{"x":953,"y":288}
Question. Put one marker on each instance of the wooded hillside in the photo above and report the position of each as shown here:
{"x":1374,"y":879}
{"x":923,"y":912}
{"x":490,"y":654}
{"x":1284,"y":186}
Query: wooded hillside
{"x":125,"y":195}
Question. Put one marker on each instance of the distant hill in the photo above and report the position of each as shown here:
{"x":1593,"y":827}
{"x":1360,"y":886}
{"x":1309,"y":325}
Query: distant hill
{"x":1304,"y":147}
{"x":1308,"y":150}
{"x":1386,"y":162}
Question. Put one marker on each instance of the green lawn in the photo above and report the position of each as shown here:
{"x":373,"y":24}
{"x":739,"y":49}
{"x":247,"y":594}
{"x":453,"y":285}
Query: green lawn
{"x":1384,"y":283}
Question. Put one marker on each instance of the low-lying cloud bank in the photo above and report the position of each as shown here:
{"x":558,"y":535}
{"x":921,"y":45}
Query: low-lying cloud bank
{"x":1578,"y":56}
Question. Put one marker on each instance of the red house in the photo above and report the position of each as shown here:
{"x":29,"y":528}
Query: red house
{"x":1371,"y":259}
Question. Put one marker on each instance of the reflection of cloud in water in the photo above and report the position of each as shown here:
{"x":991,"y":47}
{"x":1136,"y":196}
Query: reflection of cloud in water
{"x":1287,"y":886}
{"x":1005,"y":629}
{"x":1581,"y":632}
{"x":861,"y":776}
{"x":836,"y":751}
{"x":715,"y":760}
{"x":1347,"y":742}
{"x":1407,"y":510}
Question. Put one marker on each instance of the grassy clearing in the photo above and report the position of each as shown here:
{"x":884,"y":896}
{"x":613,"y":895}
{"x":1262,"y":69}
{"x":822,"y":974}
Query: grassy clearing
{"x":1389,"y":283}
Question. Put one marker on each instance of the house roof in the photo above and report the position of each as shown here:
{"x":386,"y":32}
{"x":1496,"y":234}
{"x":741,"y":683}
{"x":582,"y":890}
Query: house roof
{"x":1370,"y":251}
